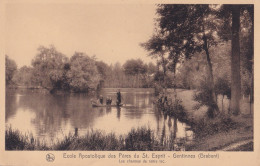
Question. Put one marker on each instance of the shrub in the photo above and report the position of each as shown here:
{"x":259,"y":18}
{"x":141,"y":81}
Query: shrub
{"x":204,"y":98}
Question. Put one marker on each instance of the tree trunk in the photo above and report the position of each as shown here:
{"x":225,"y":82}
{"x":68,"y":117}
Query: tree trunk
{"x":251,"y":91}
{"x":235,"y":61}
{"x":222,"y":103}
{"x":164,"y":74}
{"x":211,"y":80}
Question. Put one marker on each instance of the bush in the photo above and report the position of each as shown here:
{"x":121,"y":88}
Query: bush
{"x":140,"y":139}
{"x":206,"y":126}
{"x":204,"y":98}
{"x":171,"y":108}
{"x":14,"y":140}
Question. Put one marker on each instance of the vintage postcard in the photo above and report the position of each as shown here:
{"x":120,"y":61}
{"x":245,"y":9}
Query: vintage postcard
{"x":129,"y":83}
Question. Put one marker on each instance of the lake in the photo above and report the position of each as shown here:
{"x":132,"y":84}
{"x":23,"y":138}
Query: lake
{"x":51,"y":117}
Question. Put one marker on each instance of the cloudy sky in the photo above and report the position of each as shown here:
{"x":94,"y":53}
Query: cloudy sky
{"x":112,"y":32}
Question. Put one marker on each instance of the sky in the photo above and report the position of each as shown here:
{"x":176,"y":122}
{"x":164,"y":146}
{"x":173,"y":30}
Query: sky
{"x":111,"y":32}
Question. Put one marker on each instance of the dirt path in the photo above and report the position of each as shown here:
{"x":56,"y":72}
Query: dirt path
{"x":237,"y":145}
{"x":227,"y":141}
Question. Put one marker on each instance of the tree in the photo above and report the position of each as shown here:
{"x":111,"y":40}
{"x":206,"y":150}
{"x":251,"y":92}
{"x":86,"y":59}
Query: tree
{"x":233,"y":31}
{"x":102,"y":69}
{"x":156,"y":47}
{"x":83,"y":74}
{"x":135,"y":68}
{"x":151,"y":68}
{"x":10,"y":69}
{"x":23,"y":76}
{"x":235,"y":61}
{"x":48,"y":68}
{"x":186,"y":29}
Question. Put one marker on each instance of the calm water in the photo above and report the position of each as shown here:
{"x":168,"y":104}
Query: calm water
{"x":49,"y":117}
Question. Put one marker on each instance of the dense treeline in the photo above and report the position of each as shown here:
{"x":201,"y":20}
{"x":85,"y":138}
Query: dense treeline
{"x":52,"y":70}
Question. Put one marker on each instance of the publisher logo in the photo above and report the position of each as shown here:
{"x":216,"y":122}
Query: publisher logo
{"x":50,"y":157}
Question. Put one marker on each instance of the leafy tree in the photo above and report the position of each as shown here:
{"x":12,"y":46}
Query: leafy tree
{"x":203,"y":97}
{"x":155,"y":46}
{"x":48,"y":68}
{"x":10,"y":69}
{"x":23,"y":76}
{"x":151,"y":68}
{"x":83,"y":74}
{"x":102,"y":69}
{"x":135,"y":68}
{"x":189,"y":29}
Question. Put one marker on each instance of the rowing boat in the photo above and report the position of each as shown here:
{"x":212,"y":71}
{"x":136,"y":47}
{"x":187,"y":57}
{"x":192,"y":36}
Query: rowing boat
{"x":98,"y":105}
{"x":103,"y":105}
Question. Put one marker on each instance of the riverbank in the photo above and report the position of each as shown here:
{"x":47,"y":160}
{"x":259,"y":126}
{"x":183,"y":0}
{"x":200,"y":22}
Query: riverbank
{"x":223,"y":139}
{"x":221,"y":132}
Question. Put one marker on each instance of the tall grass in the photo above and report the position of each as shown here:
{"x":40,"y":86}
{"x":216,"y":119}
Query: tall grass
{"x":15,"y":140}
{"x":140,"y":139}
{"x":222,"y":123}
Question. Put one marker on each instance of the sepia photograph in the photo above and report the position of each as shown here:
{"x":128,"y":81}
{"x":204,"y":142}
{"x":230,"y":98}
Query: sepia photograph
{"x":140,"y":83}
{"x":161,"y":77}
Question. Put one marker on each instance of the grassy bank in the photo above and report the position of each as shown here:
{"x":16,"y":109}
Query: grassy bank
{"x":141,"y":139}
{"x":212,"y":133}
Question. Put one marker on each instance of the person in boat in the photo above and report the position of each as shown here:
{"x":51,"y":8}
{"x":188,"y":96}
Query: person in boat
{"x":110,"y":101}
{"x":101,"y":99}
{"x":118,"y":94}
{"x":107,"y":101}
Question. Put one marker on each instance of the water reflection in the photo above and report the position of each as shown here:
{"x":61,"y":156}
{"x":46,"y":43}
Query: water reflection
{"x":53,"y":116}
{"x":118,"y":113}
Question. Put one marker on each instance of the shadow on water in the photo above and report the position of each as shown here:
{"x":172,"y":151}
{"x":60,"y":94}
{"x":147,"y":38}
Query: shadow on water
{"x":118,"y":112}
{"x":177,"y":140}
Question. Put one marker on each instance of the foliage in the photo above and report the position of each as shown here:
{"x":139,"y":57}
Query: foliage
{"x":208,"y":127}
{"x":151,"y":68}
{"x":155,"y":46}
{"x":192,"y":71}
{"x":48,"y":67}
{"x":171,"y":107}
{"x":183,"y":30}
{"x":103,"y":69}
{"x":83,"y":74}
{"x":23,"y":76}
{"x":54,"y":71}
{"x":203,"y":97}
{"x":222,"y":87}
{"x":133,"y":73}
{"x":14,"y":140}
{"x":10,"y":69}
{"x":134,"y":67}
{"x":140,"y":139}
